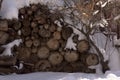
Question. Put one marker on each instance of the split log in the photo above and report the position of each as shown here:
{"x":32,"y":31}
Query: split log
{"x":71,"y":56}
{"x":3,"y":25}
{"x":24,"y":54}
{"x":43,"y":65}
{"x":3,"y":37}
{"x":53,"y":44}
{"x":57,"y":35}
{"x":7,"y":60}
{"x":28,"y":43}
{"x":44,"y":33}
{"x":90,"y":59}
{"x":36,"y":42}
{"x":66,"y":32}
{"x":6,"y":70}
{"x":43,"y":52}
{"x":55,"y":58}
{"x":83,"y":46}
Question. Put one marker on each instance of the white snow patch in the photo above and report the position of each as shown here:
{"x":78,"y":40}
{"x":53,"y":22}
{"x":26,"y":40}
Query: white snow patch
{"x":70,"y":44}
{"x":7,"y":51}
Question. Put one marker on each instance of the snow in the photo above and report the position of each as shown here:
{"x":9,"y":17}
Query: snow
{"x":70,"y":44}
{"x":7,"y":51}
{"x":61,"y":76}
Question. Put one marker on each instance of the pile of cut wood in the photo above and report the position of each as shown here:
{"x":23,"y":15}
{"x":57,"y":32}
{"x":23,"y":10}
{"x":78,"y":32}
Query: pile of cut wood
{"x":43,"y":47}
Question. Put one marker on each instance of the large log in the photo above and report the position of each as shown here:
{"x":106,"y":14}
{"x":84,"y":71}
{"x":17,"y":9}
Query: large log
{"x":55,"y":58}
{"x":83,"y":46}
{"x":43,"y":65}
{"x":43,"y":52}
{"x":90,"y":59}
{"x":71,"y":56}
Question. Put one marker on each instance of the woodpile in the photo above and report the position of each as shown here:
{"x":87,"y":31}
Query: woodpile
{"x":43,"y":47}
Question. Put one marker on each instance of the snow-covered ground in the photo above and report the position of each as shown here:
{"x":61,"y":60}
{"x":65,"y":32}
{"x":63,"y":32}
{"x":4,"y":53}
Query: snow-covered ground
{"x":62,"y":76}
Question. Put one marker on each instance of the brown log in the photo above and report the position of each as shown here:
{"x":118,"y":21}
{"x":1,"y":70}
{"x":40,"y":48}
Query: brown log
{"x":44,"y":33}
{"x":55,"y":58}
{"x":24,"y":54}
{"x":90,"y":59}
{"x":34,"y":7}
{"x":34,"y":49}
{"x":3,"y":37}
{"x":26,"y":31}
{"x":71,"y":56}
{"x":52,"y":28}
{"x":28,"y":43}
{"x":83,"y":46}
{"x":3,"y":25}
{"x":36,"y":42}
{"x":57,"y":35}
{"x":6,"y":70}
{"x":66,"y":32}
{"x":75,"y":39}
{"x":46,"y":26}
{"x":33,"y":24}
{"x":43,"y":52}
{"x":22,"y":11}
{"x":17,"y":25}
{"x":7,"y":60}
{"x":43,"y":65}
{"x":53,"y":44}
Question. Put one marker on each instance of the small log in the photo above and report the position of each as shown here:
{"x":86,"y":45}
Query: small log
{"x":36,"y":42}
{"x":26,"y":31}
{"x":22,"y":11}
{"x":3,"y":25}
{"x":34,"y":49}
{"x":57,"y":35}
{"x":33,"y":24}
{"x":71,"y":56}
{"x":3,"y":37}
{"x":44,"y":33}
{"x":46,"y":26}
{"x":17,"y":25}
{"x":55,"y":58}
{"x":53,"y":44}
{"x":40,"y":19}
{"x":52,"y":28}
{"x":24,"y":54}
{"x":34,"y":7}
{"x":90,"y":59}
{"x":28,"y":43}
{"x":43,"y":52}
{"x":43,"y":65}
{"x":66,"y":32}
{"x":83,"y":46}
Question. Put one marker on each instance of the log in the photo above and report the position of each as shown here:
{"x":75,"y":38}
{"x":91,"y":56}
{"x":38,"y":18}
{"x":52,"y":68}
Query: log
{"x":7,"y":60}
{"x":22,"y":11}
{"x":57,"y":35}
{"x":71,"y":56}
{"x":53,"y":44}
{"x":28,"y":43}
{"x":46,"y":26}
{"x":3,"y":25}
{"x":24,"y":54}
{"x":52,"y":28}
{"x":66,"y":32}
{"x":83,"y":46}
{"x":43,"y":52}
{"x":33,"y":24}
{"x":3,"y":37}
{"x":55,"y":58}
{"x":44,"y":33}
{"x":34,"y":49}
{"x":26,"y":31}
{"x":17,"y":25}
{"x":90,"y":59}
{"x":36,"y":42}
{"x":43,"y":65}
{"x":6,"y":70}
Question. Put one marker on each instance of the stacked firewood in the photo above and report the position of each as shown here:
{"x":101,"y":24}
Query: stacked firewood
{"x":43,"y":47}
